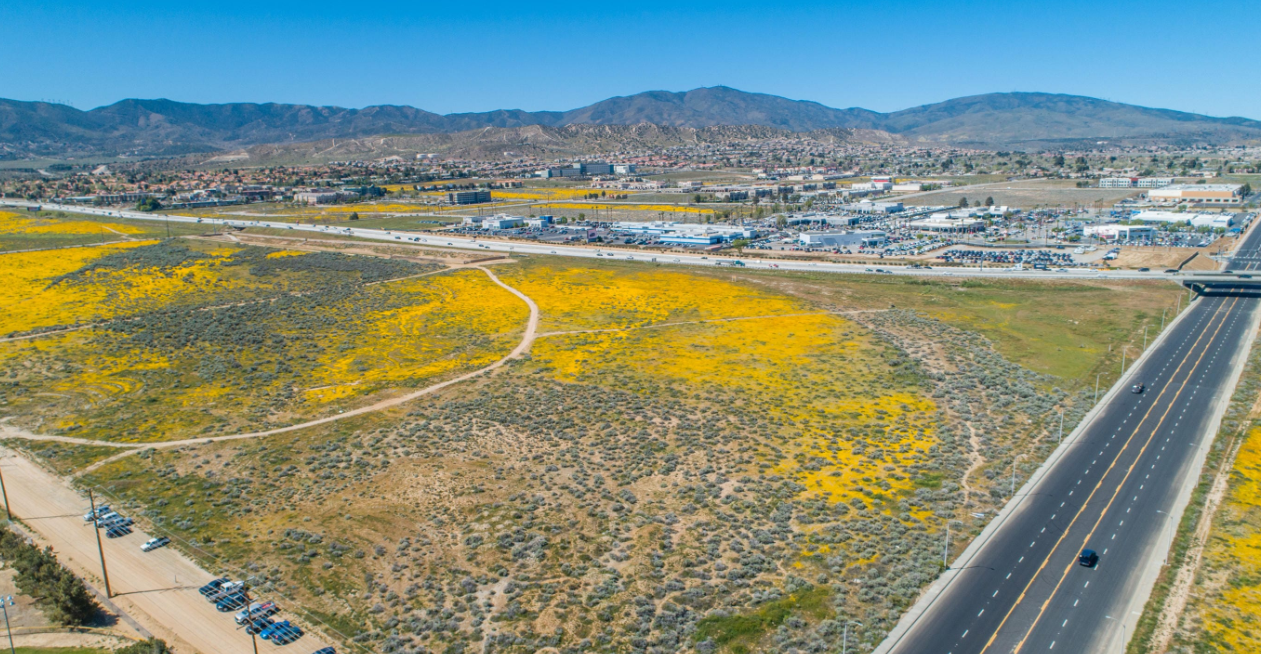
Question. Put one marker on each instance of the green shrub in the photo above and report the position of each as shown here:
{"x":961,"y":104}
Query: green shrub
{"x":61,"y":595}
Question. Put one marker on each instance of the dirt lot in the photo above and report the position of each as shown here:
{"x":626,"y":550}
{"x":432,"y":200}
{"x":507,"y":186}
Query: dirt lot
{"x":158,"y":589}
{"x":1025,"y":195}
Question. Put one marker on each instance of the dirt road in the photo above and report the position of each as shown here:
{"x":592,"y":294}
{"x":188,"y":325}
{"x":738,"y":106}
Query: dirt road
{"x":158,"y":589}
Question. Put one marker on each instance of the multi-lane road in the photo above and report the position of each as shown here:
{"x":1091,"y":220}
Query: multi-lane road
{"x":433,"y":239}
{"x":1116,"y":488}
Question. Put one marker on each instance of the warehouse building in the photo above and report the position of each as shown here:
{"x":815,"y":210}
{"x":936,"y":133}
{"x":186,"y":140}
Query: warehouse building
{"x":862,"y":238}
{"x":1210,"y":194}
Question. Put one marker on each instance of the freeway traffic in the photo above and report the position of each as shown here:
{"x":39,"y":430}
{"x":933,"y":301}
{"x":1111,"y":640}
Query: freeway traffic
{"x":585,"y":251}
{"x":1117,"y":487}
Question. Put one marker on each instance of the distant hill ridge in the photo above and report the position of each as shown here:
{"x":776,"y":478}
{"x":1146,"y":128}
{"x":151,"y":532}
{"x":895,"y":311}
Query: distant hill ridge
{"x":166,"y":127}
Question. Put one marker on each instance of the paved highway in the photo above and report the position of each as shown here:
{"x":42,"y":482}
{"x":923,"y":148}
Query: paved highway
{"x":583,"y":251}
{"x":1112,"y":490}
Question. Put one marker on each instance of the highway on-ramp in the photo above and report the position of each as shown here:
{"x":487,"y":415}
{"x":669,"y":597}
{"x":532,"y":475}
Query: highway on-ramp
{"x":1112,"y":489}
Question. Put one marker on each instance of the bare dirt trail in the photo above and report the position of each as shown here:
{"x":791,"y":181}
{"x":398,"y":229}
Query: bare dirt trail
{"x":527,"y":340}
{"x":158,"y":589}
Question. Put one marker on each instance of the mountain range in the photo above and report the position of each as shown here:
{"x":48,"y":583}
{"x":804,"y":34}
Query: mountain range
{"x":995,"y":120}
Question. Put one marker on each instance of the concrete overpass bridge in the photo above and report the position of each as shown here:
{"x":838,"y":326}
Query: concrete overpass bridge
{"x":1226,"y":282}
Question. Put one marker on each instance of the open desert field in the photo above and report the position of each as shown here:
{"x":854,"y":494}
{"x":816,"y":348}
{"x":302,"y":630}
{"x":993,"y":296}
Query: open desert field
{"x":425,"y":453}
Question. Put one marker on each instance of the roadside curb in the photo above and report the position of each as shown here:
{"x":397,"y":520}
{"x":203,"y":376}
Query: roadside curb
{"x":930,"y":596}
{"x":1191,"y":477}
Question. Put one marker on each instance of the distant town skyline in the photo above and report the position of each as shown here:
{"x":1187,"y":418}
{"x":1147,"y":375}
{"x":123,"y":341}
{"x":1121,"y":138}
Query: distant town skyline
{"x":561,"y":55}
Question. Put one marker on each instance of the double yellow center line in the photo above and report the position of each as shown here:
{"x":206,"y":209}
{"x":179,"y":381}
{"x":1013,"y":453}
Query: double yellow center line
{"x":1223,"y":313}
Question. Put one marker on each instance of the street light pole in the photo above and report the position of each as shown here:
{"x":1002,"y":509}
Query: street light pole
{"x":5,"y":604}
{"x":1168,"y":522}
{"x":1097,"y":387}
{"x":945,"y":549}
{"x":845,"y":635}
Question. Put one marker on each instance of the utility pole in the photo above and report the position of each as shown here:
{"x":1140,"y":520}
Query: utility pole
{"x":254,"y":640}
{"x":96,"y":529}
{"x":5,"y":604}
{"x":7,"y":513}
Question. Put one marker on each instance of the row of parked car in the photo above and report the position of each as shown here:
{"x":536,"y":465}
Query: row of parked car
{"x":227,"y":595}
{"x":114,"y":524}
{"x":255,"y":617}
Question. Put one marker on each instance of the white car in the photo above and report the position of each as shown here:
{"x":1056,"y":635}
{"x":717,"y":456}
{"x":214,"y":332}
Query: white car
{"x":154,"y":543}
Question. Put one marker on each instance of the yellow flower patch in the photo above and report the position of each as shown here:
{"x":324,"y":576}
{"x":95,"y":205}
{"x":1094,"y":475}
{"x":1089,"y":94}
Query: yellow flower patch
{"x":14,"y":223}
{"x":590,"y":298}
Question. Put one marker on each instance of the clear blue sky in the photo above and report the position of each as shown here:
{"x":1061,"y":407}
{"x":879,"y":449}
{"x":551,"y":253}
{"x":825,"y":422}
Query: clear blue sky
{"x":555,"y":54}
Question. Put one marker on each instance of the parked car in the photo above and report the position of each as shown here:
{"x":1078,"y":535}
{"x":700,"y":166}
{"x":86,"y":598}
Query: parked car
{"x":229,"y":588}
{"x":286,"y":635}
{"x":233,"y":602}
{"x":213,"y":587}
{"x":267,"y":633}
{"x":257,"y":625}
{"x":325,"y":650}
{"x":92,"y":515}
{"x":1088,"y":558}
{"x":118,"y":532}
{"x":257,"y":610}
{"x":154,"y":543}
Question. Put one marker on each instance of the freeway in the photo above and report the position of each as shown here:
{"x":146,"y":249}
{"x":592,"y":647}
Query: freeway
{"x":1117,"y":487}
{"x":433,"y":239}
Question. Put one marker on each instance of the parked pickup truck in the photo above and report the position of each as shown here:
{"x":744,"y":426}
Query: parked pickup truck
{"x":257,"y":610}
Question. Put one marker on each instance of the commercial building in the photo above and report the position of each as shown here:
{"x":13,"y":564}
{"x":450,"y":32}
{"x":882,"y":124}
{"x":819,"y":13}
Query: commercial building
{"x":690,"y":233}
{"x":468,"y":197}
{"x":1222,"y":220}
{"x":112,"y":198}
{"x":318,"y":197}
{"x":1135,"y":182}
{"x":1210,"y":194}
{"x":624,"y":169}
{"x":502,"y":221}
{"x":945,"y":222}
{"x":864,"y":238}
{"x":1121,"y":233}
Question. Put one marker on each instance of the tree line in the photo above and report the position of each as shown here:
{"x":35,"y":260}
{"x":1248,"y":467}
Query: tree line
{"x":61,"y":595}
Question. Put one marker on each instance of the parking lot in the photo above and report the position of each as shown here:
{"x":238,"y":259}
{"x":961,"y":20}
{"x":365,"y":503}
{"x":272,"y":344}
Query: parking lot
{"x":159,"y":588}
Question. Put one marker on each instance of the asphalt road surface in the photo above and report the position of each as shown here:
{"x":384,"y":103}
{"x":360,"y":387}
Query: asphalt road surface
{"x":1111,"y":491}
{"x":158,"y":588}
{"x":586,"y":251}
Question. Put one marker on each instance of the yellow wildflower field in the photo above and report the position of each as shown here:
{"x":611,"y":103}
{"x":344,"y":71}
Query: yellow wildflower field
{"x":669,"y":208}
{"x":29,"y":301}
{"x":802,"y":365}
{"x":546,"y":193}
{"x":1230,"y":609}
{"x":14,"y":223}
{"x":592,"y":298}
{"x":182,"y":370}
